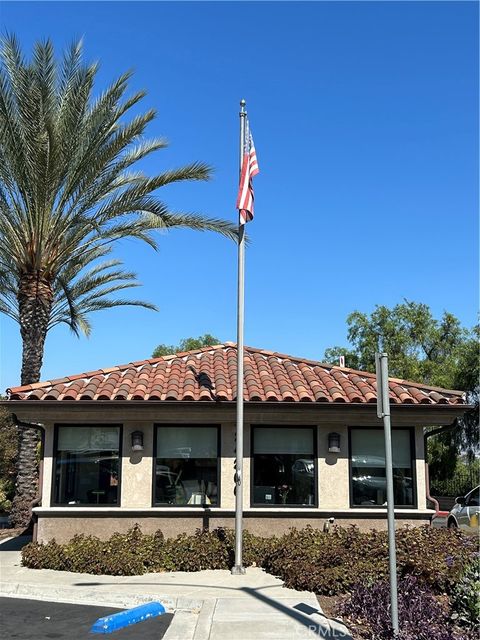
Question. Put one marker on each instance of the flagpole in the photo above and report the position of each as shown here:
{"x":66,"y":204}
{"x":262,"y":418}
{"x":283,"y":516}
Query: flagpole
{"x":383,"y":411}
{"x":238,"y":568}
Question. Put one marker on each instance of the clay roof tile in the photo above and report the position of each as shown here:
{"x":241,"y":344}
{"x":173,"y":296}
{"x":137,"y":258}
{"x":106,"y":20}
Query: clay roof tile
{"x":210,"y":373}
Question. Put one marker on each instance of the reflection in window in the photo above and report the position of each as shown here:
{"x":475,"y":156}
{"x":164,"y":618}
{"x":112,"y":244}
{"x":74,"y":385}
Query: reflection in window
{"x":474,"y":499}
{"x":369,"y":485}
{"x":86,"y":465}
{"x":283,"y":466}
{"x":186,"y":465}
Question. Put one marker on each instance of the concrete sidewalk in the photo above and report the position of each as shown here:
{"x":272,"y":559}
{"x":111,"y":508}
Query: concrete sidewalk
{"x":208,"y":605}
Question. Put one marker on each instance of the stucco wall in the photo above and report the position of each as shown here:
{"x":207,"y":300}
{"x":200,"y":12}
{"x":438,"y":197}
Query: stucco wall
{"x":333,"y":470}
{"x":137,"y":467}
{"x":226,"y":466}
{"x":65,"y":527}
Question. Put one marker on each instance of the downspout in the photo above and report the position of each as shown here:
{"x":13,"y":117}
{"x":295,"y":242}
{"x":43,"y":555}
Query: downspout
{"x":36,"y":501}
{"x":426,"y":435}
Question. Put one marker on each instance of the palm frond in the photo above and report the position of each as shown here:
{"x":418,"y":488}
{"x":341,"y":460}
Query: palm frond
{"x":69,"y":188}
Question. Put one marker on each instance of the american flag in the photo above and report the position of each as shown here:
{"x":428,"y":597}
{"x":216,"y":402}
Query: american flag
{"x":250,"y":169}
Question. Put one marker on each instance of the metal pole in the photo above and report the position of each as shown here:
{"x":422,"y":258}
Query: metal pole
{"x":238,"y":568}
{"x":383,"y":404}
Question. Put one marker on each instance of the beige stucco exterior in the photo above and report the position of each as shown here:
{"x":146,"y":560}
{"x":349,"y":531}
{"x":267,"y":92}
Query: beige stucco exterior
{"x":333,"y":477}
{"x":63,"y":526}
{"x":333,"y":470}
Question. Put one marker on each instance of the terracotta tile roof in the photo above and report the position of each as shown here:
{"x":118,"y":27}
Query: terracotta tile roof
{"x":209,"y":374}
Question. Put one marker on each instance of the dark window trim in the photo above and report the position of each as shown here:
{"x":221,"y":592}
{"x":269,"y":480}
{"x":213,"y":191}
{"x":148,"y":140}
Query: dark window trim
{"x":413,"y":458}
{"x":314,"y":430}
{"x":158,"y":425}
{"x":54,"y":464}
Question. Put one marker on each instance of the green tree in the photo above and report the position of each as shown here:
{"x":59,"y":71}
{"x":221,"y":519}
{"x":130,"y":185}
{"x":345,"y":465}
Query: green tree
{"x":68,"y":190}
{"x":187,"y":344}
{"x":419,"y":346}
{"x":8,"y":456}
{"x":438,"y":352}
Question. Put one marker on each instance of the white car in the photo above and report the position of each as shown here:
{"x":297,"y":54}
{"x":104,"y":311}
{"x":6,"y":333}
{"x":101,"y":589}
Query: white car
{"x":465,"y":513}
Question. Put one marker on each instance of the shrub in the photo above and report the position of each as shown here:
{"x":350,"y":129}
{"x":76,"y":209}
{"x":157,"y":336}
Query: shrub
{"x":122,"y":554}
{"x":330,"y":563}
{"x":438,"y":557}
{"x":203,"y":550}
{"x":466,"y":599}
{"x":7,"y":489}
{"x":421,"y":615}
{"x":134,"y":553}
{"x":46,"y":556}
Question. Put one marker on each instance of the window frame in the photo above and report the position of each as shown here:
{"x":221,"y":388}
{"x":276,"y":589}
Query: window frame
{"x":57,"y":426}
{"x":413,"y":458}
{"x":474,"y":493}
{"x":314,"y":430}
{"x":159,"y":425}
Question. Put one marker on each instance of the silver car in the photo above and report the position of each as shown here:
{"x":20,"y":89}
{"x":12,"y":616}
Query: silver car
{"x":466,"y":512}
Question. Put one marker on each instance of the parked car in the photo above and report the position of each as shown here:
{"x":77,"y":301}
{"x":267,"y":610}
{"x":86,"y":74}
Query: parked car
{"x":465,"y":513}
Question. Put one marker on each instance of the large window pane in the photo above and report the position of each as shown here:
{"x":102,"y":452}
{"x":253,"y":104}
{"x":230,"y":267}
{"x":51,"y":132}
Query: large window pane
{"x":87,"y":465}
{"x":283,"y":466}
{"x":186,"y":465}
{"x":369,"y":485}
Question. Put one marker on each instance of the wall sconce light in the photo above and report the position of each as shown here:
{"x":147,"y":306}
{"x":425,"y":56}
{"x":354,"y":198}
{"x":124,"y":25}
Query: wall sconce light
{"x":334,"y":442}
{"x":137,"y":441}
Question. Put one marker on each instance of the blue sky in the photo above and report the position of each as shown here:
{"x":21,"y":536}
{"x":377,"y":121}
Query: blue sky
{"x":365,"y":117}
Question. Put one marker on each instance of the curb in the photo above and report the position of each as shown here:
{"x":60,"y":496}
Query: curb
{"x":74,"y":595}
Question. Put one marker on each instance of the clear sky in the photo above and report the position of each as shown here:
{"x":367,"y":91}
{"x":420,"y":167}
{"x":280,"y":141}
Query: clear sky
{"x":365,"y":117}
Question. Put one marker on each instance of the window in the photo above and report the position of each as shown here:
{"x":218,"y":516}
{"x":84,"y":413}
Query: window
{"x":473,"y":500}
{"x":87,"y":465}
{"x":369,"y":485}
{"x":186,"y":466}
{"x":284,"y":466}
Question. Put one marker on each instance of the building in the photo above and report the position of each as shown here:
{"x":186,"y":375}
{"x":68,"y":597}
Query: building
{"x":153,"y":442}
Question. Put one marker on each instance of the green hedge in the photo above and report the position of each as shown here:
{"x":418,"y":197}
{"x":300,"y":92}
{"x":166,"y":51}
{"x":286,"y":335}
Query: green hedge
{"x":134,"y":553}
{"x":331,"y":563}
{"x":307,"y":559}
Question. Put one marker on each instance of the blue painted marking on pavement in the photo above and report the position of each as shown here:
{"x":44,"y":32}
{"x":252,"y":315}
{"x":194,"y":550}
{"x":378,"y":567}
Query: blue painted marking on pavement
{"x":128,"y":617}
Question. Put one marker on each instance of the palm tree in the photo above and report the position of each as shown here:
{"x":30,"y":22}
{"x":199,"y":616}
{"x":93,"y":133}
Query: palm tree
{"x":68,"y":191}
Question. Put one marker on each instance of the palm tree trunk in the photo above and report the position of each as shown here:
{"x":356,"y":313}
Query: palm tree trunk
{"x":35,"y":298}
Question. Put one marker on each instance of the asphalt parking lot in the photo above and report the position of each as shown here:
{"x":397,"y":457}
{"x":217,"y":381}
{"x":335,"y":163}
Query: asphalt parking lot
{"x":35,"y":620}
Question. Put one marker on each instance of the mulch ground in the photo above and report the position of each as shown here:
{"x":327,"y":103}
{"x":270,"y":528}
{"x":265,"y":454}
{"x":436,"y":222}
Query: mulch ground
{"x":331,"y":606}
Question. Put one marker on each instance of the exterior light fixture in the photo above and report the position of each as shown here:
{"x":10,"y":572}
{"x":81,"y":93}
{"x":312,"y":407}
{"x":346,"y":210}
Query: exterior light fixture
{"x":334,"y":442}
{"x":137,"y":441}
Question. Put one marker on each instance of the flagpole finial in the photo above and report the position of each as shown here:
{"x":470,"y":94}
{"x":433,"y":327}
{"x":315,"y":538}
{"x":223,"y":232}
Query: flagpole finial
{"x":243,"y":103}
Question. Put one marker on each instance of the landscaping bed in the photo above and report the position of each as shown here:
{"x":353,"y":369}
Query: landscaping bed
{"x":439,"y":586}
